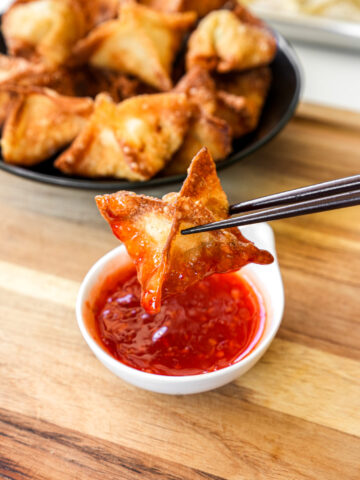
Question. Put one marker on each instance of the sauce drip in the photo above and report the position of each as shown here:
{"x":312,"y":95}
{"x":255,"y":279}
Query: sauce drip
{"x":213,"y":324}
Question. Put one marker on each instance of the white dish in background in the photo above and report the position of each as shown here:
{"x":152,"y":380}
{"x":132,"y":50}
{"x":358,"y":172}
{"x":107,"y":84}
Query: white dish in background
{"x":265,"y":278}
{"x":313,"y":29}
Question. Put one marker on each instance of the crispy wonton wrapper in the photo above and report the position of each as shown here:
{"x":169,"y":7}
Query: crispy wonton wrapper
{"x":22,"y":72}
{"x":230,"y":40}
{"x":206,"y":129}
{"x":132,"y":140}
{"x":44,"y":30}
{"x":142,"y":42}
{"x":40,"y":123}
{"x":166,"y":261}
{"x":236,"y":98}
{"x":241,"y":97}
{"x":6,"y":99}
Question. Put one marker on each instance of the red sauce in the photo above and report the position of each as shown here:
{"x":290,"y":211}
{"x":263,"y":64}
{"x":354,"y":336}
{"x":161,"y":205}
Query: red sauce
{"x":215,"y":323}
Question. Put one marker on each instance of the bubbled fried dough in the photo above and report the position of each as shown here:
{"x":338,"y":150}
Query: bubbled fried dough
{"x":226,"y":106}
{"x":204,"y":130}
{"x":224,"y":42}
{"x":141,"y":42}
{"x":132,"y":140}
{"x":166,"y":261}
{"x":237,"y":97}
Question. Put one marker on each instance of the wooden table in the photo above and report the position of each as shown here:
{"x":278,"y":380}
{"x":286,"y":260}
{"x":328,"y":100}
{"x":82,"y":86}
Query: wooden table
{"x":295,"y":415}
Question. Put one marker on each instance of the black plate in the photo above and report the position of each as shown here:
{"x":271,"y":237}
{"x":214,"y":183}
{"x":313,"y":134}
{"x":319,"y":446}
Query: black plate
{"x":278,"y":110}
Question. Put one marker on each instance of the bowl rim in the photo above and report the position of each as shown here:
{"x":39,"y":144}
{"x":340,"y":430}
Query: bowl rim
{"x":116,"y":365}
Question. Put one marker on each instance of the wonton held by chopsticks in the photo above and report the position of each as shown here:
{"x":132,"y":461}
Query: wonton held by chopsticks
{"x":166,"y":261}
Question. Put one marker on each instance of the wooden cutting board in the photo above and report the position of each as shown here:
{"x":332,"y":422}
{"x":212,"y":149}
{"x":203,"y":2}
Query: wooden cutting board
{"x":295,"y":415}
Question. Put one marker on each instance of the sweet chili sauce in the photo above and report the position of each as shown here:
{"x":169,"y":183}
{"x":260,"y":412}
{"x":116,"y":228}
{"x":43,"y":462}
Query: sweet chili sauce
{"x":213,"y":324}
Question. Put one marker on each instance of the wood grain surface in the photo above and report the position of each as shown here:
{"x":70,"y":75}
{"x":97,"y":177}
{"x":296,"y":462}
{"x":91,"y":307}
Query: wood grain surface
{"x":295,"y":415}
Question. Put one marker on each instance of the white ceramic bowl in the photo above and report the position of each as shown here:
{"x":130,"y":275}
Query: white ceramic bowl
{"x":265,"y":278}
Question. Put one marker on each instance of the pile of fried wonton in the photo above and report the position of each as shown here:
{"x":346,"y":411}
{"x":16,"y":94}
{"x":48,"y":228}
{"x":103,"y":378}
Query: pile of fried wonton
{"x":127,"y":89}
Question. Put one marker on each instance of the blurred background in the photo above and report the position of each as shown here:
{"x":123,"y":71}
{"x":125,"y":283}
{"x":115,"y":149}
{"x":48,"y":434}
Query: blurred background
{"x":326,"y":36}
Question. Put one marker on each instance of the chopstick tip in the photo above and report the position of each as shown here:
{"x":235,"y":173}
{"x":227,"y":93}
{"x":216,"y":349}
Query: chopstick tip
{"x":188,"y":231}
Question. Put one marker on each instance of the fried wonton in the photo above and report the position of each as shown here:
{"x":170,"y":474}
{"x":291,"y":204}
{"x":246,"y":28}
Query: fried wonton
{"x":6,"y":99}
{"x":40,"y":123}
{"x":241,"y":97}
{"x":142,"y":42}
{"x":118,"y":85}
{"x":22,"y":72}
{"x":132,"y":140}
{"x":200,"y":88}
{"x":225,"y":41}
{"x":166,"y":261}
{"x":205,"y":130}
{"x":44,"y":30}
{"x":14,"y":69}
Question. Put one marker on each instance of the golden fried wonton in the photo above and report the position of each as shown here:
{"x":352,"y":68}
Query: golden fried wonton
{"x":241,"y":97}
{"x":225,"y":41}
{"x":142,"y":42}
{"x":237,"y":98}
{"x":6,"y":99}
{"x":14,"y":69}
{"x":132,"y":140}
{"x":205,"y":129}
{"x":200,"y":88}
{"x":44,"y":30}
{"x":40,"y":123}
{"x":166,"y":261}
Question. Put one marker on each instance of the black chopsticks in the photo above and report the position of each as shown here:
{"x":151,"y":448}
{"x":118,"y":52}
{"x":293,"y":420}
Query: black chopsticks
{"x":344,"y":192}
